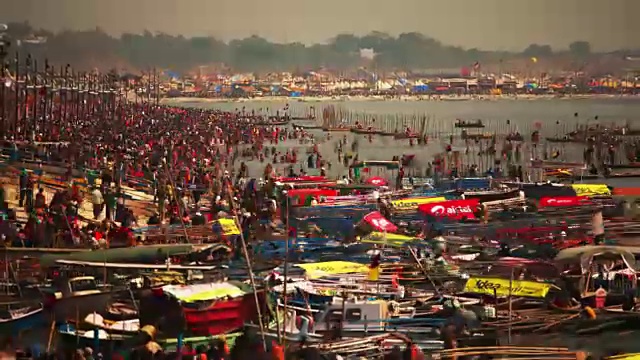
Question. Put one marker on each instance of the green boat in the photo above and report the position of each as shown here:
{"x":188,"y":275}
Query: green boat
{"x":139,"y":254}
{"x":195,"y":341}
{"x":68,"y":337}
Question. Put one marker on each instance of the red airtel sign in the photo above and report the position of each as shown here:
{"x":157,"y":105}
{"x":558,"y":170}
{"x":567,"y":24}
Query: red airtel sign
{"x":564,"y":201}
{"x":452,"y":209}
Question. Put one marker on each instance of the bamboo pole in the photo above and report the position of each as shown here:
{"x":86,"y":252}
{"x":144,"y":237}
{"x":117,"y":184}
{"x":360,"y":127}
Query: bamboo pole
{"x":51,"y":333}
{"x":286,"y":275}
{"x":249,"y":269}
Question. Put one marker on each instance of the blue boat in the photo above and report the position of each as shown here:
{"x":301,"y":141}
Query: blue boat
{"x":14,"y":321}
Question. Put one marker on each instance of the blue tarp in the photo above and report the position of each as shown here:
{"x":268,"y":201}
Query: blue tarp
{"x":465,"y":184}
{"x":356,"y":213}
{"x":420,"y":88}
{"x":473,"y":183}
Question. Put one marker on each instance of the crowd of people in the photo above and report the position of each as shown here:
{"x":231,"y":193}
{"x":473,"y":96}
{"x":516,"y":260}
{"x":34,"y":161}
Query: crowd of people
{"x":174,"y":155}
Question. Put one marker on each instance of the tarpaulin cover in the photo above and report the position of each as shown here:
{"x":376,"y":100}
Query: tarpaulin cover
{"x":532,"y":191}
{"x":473,"y":183}
{"x":465,"y":184}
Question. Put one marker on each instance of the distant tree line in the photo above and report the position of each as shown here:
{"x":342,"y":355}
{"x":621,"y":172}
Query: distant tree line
{"x":408,"y":51}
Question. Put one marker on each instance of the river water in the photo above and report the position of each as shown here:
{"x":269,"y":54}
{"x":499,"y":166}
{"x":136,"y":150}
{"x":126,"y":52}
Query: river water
{"x":521,"y":112}
{"x":552,"y":116}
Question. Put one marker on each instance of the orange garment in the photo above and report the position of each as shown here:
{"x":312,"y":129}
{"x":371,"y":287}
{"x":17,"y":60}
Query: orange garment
{"x":277,"y":352}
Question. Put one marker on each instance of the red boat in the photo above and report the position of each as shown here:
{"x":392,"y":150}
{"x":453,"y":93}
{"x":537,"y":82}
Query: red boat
{"x":199,"y":310}
{"x":220,"y":316}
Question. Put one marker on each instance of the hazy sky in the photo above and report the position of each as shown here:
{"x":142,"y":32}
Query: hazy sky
{"x":485,"y":24}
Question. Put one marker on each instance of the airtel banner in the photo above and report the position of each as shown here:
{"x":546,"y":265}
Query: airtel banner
{"x":379,"y":222}
{"x":452,"y":209}
{"x":562,"y":201}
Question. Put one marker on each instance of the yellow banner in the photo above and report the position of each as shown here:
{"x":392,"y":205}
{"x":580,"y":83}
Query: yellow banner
{"x":229,"y":227}
{"x":391,"y":239}
{"x":409,"y":203}
{"x":591,"y":190}
{"x":316,"y":270}
{"x":484,"y":285}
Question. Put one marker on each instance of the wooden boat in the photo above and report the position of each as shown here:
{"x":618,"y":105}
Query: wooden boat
{"x":366,"y":131}
{"x":387,"y":133}
{"x":294,"y":118}
{"x":307,"y":127}
{"x":550,"y":164}
{"x":626,"y":131}
{"x":360,"y":317}
{"x":271,"y":123}
{"x":498,"y":352}
{"x":478,"y":124}
{"x":123,"y":327}
{"x":564,"y":177}
{"x":75,"y":298}
{"x":14,"y":321}
{"x":202,"y":309}
{"x":561,"y":140}
{"x":492,"y":195}
{"x":515,"y":137}
{"x":108,"y":343}
{"x":336,"y":129}
{"x":402,"y":136}
{"x":621,"y":175}
{"x":632,"y":165}
{"x":141,"y":254}
{"x":482,"y":136}
{"x":171,"y":344}
{"x":119,"y":311}
{"x":23,"y":252}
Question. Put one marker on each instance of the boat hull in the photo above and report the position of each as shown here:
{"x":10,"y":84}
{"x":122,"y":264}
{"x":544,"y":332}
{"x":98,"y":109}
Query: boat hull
{"x":365,"y":131}
{"x":470,"y":126}
{"x":221,"y":316}
{"x":489,"y":196}
{"x":200,"y":318}
{"x":32,"y":319}
{"x":69,"y":339}
{"x":78,"y":307}
{"x":405,"y":136}
{"x":561,"y":140}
